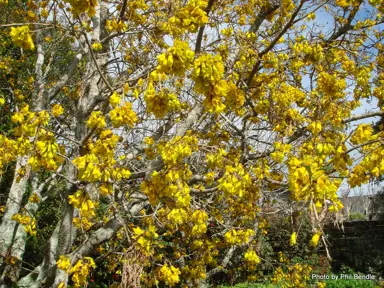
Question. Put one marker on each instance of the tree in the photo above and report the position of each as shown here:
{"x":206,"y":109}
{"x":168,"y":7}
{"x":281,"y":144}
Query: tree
{"x":166,"y":127}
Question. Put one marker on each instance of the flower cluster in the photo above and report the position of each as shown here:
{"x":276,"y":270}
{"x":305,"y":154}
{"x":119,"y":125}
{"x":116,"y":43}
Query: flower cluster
{"x":46,"y":153}
{"x":371,"y":166}
{"x":315,"y":239}
{"x":199,"y":219}
{"x":176,"y":60}
{"x":309,"y":53}
{"x":100,"y":164}
{"x":123,"y":116}
{"x":83,"y":6}
{"x":251,"y":258}
{"x":208,"y":76}
{"x":315,"y":127}
{"x":234,"y":236}
{"x":235,"y":98}
{"x":8,"y":150}
{"x":169,"y":274}
{"x":340,"y":159}
{"x":34,"y":198}
{"x":81,"y":270}
{"x":64,"y":263}
{"x":145,"y":238}
{"x":116,"y":26}
{"x":88,"y":167}
{"x":296,"y":276}
{"x":29,"y":121}
{"x":331,"y":85}
{"x":30,"y":125}
{"x":82,"y":201}
{"x":28,"y":222}
{"x":176,"y":149}
{"x":216,"y":159}
{"x":161,"y":102}
{"x":281,"y":151}
{"x":135,"y":10}
{"x":57,"y":110}
{"x":171,"y":185}
{"x":308,"y":179}
{"x":115,"y":99}
{"x":235,"y":181}
{"x":190,"y":17}
{"x":96,"y":120}
{"x":178,"y":216}
{"x":21,"y":37}
{"x":97,"y":46}
{"x":86,"y":206}
{"x":362,"y":134}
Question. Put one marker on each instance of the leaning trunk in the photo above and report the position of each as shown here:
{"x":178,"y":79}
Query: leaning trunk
{"x":12,"y":235}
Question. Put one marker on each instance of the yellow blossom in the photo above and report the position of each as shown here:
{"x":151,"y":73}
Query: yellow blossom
{"x":96,"y":120}
{"x":22,"y":38}
{"x":97,"y":46}
{"x":63,"y":263}
{"x":123,"y":115}
{"x":83,"y":6}
{"x":315,"y":239}
{"x":169,"y":274}
{"x":251,"y":257}
{"x":57,"y":110}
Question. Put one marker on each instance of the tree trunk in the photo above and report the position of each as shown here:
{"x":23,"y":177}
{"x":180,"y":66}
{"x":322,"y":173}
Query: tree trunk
{"x":13,"y":235}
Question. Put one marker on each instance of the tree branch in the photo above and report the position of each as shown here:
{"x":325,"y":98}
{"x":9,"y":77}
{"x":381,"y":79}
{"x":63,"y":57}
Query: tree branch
{"x":201,"y":30}
{"x":363,"y":116}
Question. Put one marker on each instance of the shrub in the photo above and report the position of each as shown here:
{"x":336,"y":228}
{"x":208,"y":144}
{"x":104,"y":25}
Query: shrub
{"x":350,"y":283}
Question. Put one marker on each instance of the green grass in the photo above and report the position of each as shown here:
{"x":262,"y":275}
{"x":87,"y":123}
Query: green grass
{"x":340,"y":283}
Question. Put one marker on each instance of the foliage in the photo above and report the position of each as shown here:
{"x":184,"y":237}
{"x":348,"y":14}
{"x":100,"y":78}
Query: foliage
{"x":47,"y":217}
{"x":340,"y":283}
{"x":357,"y":216}
{"x":352,"y":283}
{"x":251,"y":285}
{"x":150,"y":143}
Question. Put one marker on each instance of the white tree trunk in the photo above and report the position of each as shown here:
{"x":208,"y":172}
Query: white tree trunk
{"x":12,"y":235}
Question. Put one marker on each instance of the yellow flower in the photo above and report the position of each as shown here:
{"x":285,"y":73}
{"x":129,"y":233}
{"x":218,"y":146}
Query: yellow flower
{"x":315,"y":239}
{"x":2,"y":101}
{"x":189,"y":17}
{"x":169,"y":274}
{"x":362,"y":134}
{"x":57,"y":110}
{"x":311,"y":16}
{"x":160,"y":102}
{"x":251,"y":257}
{"x":97,"y":46}
{"x":34,"y":198}
{"x":81,"y":270}
{"x":114,"y":100}
{"x":44,"y":13}
{"x":123,"y":115}
{"x":315,"y":127}
{"x":63,"y":263}
{"x":83,"y":6}
{"x":21,"y":37}
{"x":176,"y":60}
{"x":96,"y":120}
{"x":293,"y":239}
